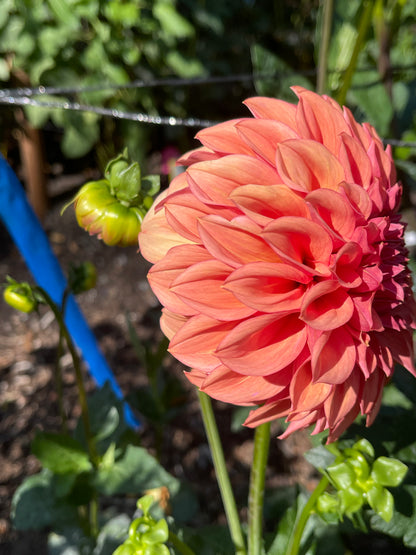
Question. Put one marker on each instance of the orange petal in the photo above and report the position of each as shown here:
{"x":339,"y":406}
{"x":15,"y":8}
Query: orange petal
{"x":195,"y":343}
{"x":262,"y":136}
{"x":201,"y":154}
{"x":201,"y":287}
{"x":263,"y":204}
{"x":305,"y":394}
{"x":164,"y":272}
{"x":224,"y":138}
{"x":300,"y":241}
{"x":268,"y":287}
{"x":333,"y":357}
{"x":272,"y":108}
{"x":263,"y":345}
{"x":306,"y":165}
{"x":171,"y":323}
{"x":355,"y":161}
{"x":212,"y":182}
{"x":233,"y":245}
{"x":268,"y":412}
{"x":326,"y":306}
{"x":334,"y":211}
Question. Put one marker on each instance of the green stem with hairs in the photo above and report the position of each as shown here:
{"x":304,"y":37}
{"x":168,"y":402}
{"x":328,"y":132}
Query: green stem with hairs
{"x":296,"y":538}
{"x":256,"y":493}
{"x":328,"y":9}
{"x":221,"y":472}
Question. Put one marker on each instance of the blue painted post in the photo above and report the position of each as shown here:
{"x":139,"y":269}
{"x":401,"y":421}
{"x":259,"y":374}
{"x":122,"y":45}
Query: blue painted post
{"x":31,"y":240}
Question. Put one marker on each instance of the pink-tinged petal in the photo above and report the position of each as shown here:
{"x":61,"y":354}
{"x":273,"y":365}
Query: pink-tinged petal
{"x":201,"y":287}
{"x":347,"y":265}
{"x":157,"y":237}
{"x":333,"y":357}
{"x":302,"y":421}
{"x":171,"y":323}
{"x":268,"y":287}
{"x":272,"y":108}
{"x":233,"y":245}
{"x":224,"y":138}
{"x":230,"y":387}
{"x":263,"y":345}
{"x":268,"y":412}
{"x":164,"y":272}
{"x":364,"y":316}
{"x":196,"y":377}
{"x":263,"y":204}
{"x":306,"y":165}
{"x":319,"y":120}
{"x":300,"y":241}
{"x":201,"y":154}
{"x":196,"y":341}
{"x":183,"y":212}
{"x":400,"y":344}
{"x":355,"y":161}
{"x":344,"y":400}
{"x":357,"y":197}
{"x":372,"y":395}
{"x":326,"y":306}
{"x":305,"y":394}
{"x":334,"y":211}
{"x":262,"y":136}
{"x":212,"y":182}
{"x":356,"y":130}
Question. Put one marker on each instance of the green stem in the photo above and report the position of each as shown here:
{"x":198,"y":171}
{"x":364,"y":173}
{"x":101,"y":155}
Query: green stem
{"x":294,"y":542}
{"x":328,"y":9}
{"x":82,"y":396}
{"x":59,"y":384}
{"x":93,"y":516}
{"x":221,"y":473}
{"x":179,"y":545}
{"x":359,"y":43}
{"x":256,"y":494}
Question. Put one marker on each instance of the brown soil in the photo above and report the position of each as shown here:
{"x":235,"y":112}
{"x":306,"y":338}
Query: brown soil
{"x":27,"y":394}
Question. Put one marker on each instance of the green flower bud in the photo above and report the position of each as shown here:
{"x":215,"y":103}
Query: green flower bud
{"x":341,"y":475}
{"x":388,"y":471}
{"x":381,"y":501}
{"x":82,"y":278}
{"x":20,"y":296}
{"x":351,"y":499}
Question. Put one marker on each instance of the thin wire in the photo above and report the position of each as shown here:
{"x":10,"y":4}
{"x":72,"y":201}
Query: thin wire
{"x":110,"y":112}
{"x":176,"y":82}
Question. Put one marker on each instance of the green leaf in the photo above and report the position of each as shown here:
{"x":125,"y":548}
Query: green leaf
{"x":81,"y":132}
{"x":372,"y":99}
{"x":341,"y":474}
{"x":172,"y":23}
{"x":388,"y":472}
{"x":381,"y":501}
{"x":158,"y":533}
{"x":135,"y":472}
{"x":320,"y":457}
{"x":111,"y":535}
{"x":184,"y":67}
{"x":286,"y":527}
{"x":208,"y":540}
{"x":60,"y":453}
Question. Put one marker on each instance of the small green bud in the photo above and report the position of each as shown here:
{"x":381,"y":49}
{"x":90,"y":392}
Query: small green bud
{"x":82,"y":277}
{"x":20,"y":296}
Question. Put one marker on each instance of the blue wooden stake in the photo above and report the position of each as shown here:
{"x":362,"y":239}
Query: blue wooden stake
{"x":31,"y":240}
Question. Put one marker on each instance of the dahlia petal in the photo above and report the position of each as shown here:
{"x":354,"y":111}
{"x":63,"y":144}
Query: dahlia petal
{"x":212,"y":182}
{"x":317,"y":119}
{"x":272,"y":108}
{"x":201,"y":154}
{"x":183,"y":211}
{"x":305,"y":165}
{"x":355,"y":161}
{"x":164,"y":272}
{"x":230,"y":387}
{"x":196,"y":341}
{"x":358,"y":198}
{"x":224,"y":138}
{"x":300,"y":241}
{"x":347,"y":263}
{"x":196,"y":377}
{"x":157,"y":237}
{"x":334,"y":211}
{"x":302,"y":421}
{"x":355,"y":129}
{"x":268,"y":287}
{"x":343,"y":400}
{"x":372,"y":395}
{"x":269,"y":411}
{"x":262,"y":345}
{"x":171,"y":323}
{"x":262,"y":136}
{"x":232,"y":245}
{"x":326,"y":306}
{"x":305,"y":394}
{"x":333,"y":357}
{"x":263,"y":204}
{"x":201,"y":287}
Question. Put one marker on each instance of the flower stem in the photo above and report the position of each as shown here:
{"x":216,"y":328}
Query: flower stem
{"x":328,"y":9}
{"x":294,"y":542}
{"x":221,"y":473}
{"x":256,"y":493}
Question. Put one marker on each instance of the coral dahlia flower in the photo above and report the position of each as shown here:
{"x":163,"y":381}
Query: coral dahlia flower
{"x":280,"y":262}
